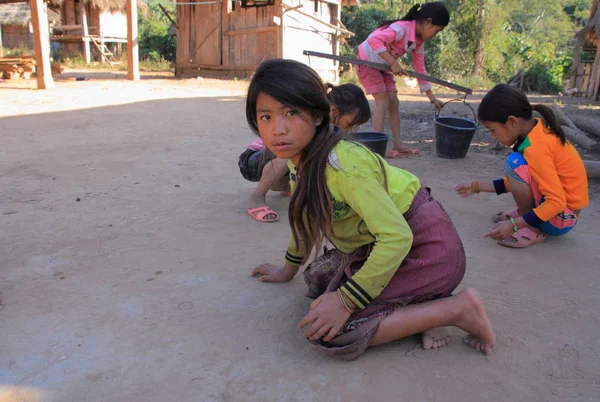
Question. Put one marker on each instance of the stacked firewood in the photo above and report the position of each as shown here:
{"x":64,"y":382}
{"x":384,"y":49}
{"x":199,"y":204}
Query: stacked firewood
{"x":17,"y":67}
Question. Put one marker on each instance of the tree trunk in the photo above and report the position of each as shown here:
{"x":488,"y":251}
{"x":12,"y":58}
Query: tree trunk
{"x":479,"y":51}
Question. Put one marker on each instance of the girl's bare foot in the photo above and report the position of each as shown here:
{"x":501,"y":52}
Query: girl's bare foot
{"x":435,"y":338}
{"x":473,"y":319}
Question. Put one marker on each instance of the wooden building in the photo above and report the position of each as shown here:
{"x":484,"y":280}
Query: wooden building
{"x":92,"y":28}
{"x":225,"y":38}
{"x":585,"y":76}
{"x":16,"y":29}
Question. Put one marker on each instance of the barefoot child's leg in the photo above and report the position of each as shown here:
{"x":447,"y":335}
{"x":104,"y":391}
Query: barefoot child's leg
{"x":278,"y":170}
{"x":394,"y":117}
{"x":381,"y":106}
{"x":522,"y":195}
{"x":465,"y":311}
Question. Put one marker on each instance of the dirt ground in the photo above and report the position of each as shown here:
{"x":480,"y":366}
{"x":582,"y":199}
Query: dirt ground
{"x":126,"y":254}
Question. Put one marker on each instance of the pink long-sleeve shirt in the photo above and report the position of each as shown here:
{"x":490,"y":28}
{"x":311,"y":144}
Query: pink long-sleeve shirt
{"x":398,"y":38}
{"x":256,"y":145}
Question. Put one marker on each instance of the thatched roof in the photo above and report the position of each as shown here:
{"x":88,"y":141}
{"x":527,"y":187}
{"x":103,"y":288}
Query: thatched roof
{"x":109,"y":4}
{"x":19,"y":14}
{"x":591,"y":31}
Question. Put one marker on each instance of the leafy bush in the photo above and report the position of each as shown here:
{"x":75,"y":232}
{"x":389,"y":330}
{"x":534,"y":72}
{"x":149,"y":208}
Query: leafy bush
{"x":155,"y":39}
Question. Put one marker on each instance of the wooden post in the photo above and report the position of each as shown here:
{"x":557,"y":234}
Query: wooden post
{"x":279,"y":13}
{"x":41,"y":42}
{"x":86,"y":32}
{"x":133,"y":52}
{"x":576,"y":59}
{"x":220,"y":31}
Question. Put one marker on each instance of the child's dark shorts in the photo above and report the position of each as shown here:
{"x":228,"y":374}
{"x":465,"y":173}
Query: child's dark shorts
{"x":251,"y":164}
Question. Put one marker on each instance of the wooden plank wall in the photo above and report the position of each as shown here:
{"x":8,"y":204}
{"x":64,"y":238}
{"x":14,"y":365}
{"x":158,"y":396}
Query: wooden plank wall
{"x":245,"y":37}
{"x":69,"y":16}
{"x":301,"y":32}
{"x":249,"y":35}
{"x":14,"y":36}
{"x":198,"y":34}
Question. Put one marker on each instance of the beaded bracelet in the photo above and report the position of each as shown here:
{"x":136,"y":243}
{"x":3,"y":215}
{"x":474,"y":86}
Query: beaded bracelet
{"x":515,"y":228}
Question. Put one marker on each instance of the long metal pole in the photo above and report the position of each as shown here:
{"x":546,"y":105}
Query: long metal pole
{"x":385,"y":67}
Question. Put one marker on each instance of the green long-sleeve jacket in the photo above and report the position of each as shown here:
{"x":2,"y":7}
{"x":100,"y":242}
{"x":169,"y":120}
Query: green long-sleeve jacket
{"x":364,"y":212}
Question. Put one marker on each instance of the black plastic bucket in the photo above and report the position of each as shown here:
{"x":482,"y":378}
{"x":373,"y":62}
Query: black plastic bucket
{"x":376,"y":142}
{"x":453,"y":135}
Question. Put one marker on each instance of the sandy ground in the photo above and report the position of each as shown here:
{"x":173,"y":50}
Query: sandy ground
{"x":126,"y":255}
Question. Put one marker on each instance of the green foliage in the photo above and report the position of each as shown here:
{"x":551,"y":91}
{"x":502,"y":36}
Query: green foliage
{"x":155,"y":40}
{"x":533,"y":35}
{"x":21,"y":50}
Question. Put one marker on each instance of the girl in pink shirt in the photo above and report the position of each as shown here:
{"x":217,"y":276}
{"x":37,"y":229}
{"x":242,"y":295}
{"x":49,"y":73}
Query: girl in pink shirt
{"x":387,"y":43}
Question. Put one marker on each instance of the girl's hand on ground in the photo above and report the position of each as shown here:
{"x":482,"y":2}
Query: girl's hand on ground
{"x":397,"y":68}
{"x":272,"y":273}
{"x":438,"y":104}
{"x":501,"y":231}
{"x":325,"y":318}
{"x":464,"y":189}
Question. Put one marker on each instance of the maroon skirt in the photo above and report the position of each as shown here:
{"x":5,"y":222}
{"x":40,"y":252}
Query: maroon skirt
{"x":433,"y":268}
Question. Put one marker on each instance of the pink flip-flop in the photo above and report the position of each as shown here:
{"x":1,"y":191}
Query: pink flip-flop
{"x":523,"y":238}
{"x":261,"y":213}
{"x":505,"y":216}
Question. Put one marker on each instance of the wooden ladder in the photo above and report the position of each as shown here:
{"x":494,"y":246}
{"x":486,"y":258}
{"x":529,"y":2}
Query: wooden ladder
{"x":104,"y":51}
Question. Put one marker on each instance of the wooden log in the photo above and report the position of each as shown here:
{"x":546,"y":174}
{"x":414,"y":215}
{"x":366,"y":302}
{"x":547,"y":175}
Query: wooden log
{"x":590,"y":125}
{"x":578,"y":137}
{"x":563,"y":119}
{"x":592,"y":168}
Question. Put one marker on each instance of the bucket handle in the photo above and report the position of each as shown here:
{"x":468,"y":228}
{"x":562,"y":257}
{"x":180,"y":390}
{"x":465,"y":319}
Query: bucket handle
{"x":437,"y":112}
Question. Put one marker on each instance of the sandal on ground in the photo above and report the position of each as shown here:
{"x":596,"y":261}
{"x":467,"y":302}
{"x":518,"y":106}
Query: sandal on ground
{"x":261,"y":214}
{"x":523,"y":238}
{"x":505,"y":216}
{"x":399,"y":153}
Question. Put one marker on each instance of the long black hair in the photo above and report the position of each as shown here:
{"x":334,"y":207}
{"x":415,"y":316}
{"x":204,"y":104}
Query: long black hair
{"x":437,"y":11}
{"x":299,"y":87}
{"x":505,"y":100}
{"x":348,"y":99}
